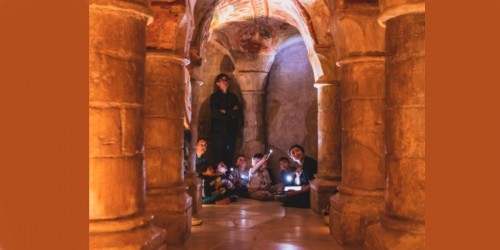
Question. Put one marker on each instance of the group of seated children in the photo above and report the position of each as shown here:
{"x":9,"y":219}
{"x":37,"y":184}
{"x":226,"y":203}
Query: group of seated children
{"x":222,"y":186}
{"x":217,"y":187}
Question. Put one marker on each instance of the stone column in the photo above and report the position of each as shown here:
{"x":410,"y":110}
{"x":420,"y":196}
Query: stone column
{"x":166,"y":60}
{"x":252,"y":85}
{"x":117,"y":39}
{"x":360,"y":44}
{"x":329,"y":163}
{"x":191,"y":179}
{"x":361,"y":194}
{"x":403,"y":223}
{"x":163,"y":142}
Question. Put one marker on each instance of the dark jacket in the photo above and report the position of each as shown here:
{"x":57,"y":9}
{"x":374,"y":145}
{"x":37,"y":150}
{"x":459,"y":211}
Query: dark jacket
{"x":200,"y":163}
{"x":224,"y":122}
{"x":310,"y":167}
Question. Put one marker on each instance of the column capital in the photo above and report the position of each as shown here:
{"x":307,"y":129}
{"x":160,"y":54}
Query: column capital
{"x":261,"y":92}
{"x":251,"y":80}
{"x":355,"y":29}
{"x":319,"y":85}
{"x":373,"y":57}
{"x":167,"y":55}
{"x":171,"y":27}
{"x":137,"y":10}
{"x":327,"y":57}
{"x":252,"y":61}
{"x":390,"y":11}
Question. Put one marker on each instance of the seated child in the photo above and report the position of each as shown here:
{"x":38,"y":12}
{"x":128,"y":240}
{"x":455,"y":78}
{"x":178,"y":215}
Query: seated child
{"x":287,"y":172}
{"x":240,"y":175}
{"x":223,"y":182}
{"x":259,"y":185}
{"x":305,"y":172}
{"x":211,"y":193}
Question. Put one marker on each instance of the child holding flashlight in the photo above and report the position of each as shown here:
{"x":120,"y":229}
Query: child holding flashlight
{"x":259,"y":186}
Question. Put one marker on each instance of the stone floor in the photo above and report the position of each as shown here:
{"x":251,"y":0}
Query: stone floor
{"x":250,"y":224}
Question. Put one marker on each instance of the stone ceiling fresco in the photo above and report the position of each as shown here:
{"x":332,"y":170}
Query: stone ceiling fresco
{"x":259,"y":26}
{"x":256,"y":38}
{"x":251,"y":37}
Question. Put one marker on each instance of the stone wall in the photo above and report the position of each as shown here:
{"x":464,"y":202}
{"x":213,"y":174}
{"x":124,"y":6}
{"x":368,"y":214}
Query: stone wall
{"x":291,"y":104}
{"x":291,"y":101}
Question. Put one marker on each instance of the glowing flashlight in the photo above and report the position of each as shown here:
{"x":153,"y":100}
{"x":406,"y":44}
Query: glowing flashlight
{"x":289,"y":178}
{"x":232,"y":169}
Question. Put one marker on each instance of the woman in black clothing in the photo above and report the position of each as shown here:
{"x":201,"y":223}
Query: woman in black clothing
{"x":308,"y":168}
{"x":225,"y":113}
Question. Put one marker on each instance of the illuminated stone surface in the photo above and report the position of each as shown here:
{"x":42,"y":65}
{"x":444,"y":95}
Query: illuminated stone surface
{"x":116,"y":75}
{"x":167,"y":199}
{"x":360,"y":199}
{"x":364,"y":122}
{"x":403,"y":223}
{"x":329,"y":134}
{"x":250,"y":224}
{"x":165,"y":90}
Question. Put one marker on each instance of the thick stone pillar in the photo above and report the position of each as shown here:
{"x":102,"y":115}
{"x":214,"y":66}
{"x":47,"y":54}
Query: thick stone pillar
{"x":165,"y":88}
{"x":329,"y":160}
{"x":361,"y":195}
{"x":329,"y":127}
{"x":360,"y":45}
{"x":164,"y":140}
{"x":403,"y":223}
{"x":117,"y":39}
{"x":252,"y":85}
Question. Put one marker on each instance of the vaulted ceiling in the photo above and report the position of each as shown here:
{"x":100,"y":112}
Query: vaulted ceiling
{"x":261,"y":26}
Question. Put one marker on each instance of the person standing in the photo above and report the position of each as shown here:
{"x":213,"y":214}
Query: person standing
{"x":225,"y":113}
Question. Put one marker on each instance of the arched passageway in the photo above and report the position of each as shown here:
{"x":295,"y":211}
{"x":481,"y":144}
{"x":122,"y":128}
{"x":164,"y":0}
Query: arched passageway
{"x":343,"y":78}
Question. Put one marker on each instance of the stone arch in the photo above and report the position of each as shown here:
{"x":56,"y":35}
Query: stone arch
{"x":302,"y":16}
{"x":289,"y":95}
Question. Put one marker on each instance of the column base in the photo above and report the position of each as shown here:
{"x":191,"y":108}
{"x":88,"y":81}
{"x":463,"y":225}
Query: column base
{"x":147,"y":237}
{"x":193,"y":184}
{"x":380,"y":237}
{"x":351,"y":215}
{"x":172,"y":211}
{"x":321,"y":190}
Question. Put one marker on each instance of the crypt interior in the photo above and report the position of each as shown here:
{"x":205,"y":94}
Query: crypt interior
{"x":343,"y":78}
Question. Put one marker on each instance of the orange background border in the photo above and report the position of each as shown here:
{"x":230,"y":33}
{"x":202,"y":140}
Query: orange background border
{"x":462,"y":126}
{"x":44,"y":125}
